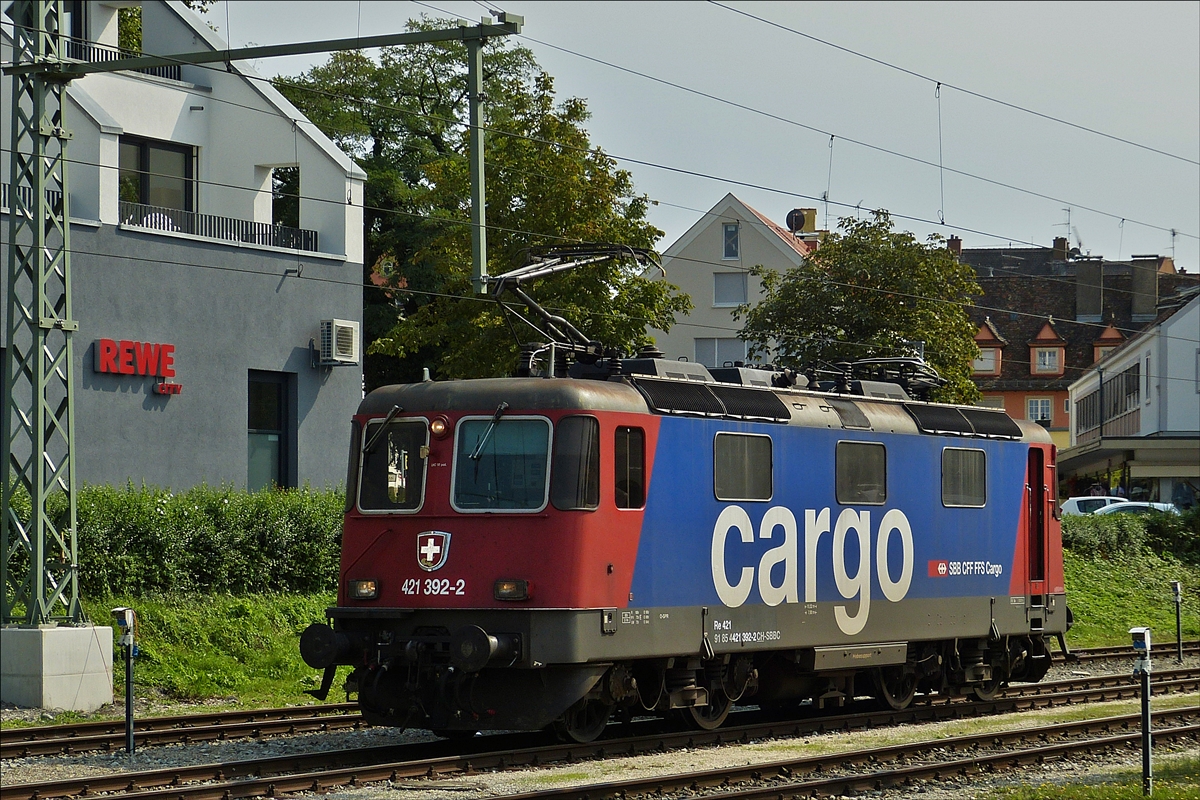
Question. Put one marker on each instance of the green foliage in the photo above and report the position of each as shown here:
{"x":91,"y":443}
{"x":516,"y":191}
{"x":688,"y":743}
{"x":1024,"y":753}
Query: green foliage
{"x":1113,"y":535}
{"x":201,"y":647}
{"x":129,"y":30}
{"x":865,"y":293}
{"x":1110,"y":596}
{"x":1106,"y":536}
{"x":138,"y":541}
{"x":403,"y":120}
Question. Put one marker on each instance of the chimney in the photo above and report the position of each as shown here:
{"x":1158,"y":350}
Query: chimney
{"x":954,"y":245}
{"x":1089,"y":288}
{"x":1144,"y":285}
{"x":1061,"y":248}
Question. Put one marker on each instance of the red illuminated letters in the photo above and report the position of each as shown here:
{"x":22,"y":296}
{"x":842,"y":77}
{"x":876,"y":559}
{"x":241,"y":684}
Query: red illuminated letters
{"x":127,"y":357}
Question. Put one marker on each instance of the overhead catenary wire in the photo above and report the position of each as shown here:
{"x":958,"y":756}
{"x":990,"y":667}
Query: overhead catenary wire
{"x":576,"y":240}
{"x":478,"y":299}
{"x":502,"y":132}
{"x":955,"y":87}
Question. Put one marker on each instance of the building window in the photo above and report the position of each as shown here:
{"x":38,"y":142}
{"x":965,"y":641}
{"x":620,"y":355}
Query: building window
{"x":732,"y":246}
{"x":989,"y":359}
{"x":1147,"y":392}
{"x":269,"y":431}
{"x":992,"y":401}
{"x":157,"y":174}
{"x":1046,"y":360}
{"x":861,"y":473}
{"x":718,"y":352}
{"x":729,"y":288}
{"x":285,"y":196}
{"x":1038,"y":409}
{"x":742,"y":467}
{"x":1066,"y":405}
{"x":1101,"y":352}
{"x":629,"y":449}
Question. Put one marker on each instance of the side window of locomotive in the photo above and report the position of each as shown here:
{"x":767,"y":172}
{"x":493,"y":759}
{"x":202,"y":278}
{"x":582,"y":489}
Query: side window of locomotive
{"x":861,"y":473}
{"x":509,"y":472}
{"x":742,"y":467}
{"x":575,"y":468}
{"x":393,"y":472}
{"x":352,"y":465}
{"x":964,"y":477}
{"x":629,"y":453}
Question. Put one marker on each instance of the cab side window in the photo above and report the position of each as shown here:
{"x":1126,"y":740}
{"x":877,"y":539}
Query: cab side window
{"x":629,"y":451}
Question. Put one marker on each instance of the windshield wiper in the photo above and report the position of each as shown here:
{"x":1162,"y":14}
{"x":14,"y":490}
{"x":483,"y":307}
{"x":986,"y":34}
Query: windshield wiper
{"x":386,"y":421}
{"x":500,"y":409}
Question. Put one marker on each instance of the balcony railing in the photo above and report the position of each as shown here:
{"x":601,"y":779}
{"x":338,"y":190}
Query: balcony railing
{"x":98,"y":53}
{"x":1113,"y":409}
{"x":156,"y":218}
{"x":53,"y":196}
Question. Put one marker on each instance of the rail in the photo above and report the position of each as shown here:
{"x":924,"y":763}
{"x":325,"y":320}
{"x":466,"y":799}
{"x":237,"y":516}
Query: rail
{"x":329,"y":769}
{"x":159,"y":218}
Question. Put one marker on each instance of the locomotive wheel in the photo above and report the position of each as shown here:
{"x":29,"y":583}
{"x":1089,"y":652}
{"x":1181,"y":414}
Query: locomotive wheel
{"x":583,"y":722}
{"x":986,"y":691}
{"x":711,"y":716}
{"x":897,"y":686}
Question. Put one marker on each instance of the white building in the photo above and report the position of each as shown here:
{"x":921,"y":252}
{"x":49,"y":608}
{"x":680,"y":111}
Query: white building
{"x":1138,"y":410}
{"x":711,"y":263}
{"x":180,"y":240}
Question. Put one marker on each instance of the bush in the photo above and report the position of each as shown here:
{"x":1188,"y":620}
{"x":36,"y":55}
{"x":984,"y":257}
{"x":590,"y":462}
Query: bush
{"x":137,"y":541}
{"x":1108,"y":535}
{"x":1112,"y":535}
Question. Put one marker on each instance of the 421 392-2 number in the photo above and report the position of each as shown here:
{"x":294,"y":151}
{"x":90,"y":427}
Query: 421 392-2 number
{"x":434,"y":586}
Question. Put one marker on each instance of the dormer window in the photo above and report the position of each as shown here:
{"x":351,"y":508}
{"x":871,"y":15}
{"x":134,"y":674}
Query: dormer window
{"x":731,"y":239}
{"x":988,"y":362}
{"x":1047,"y":360}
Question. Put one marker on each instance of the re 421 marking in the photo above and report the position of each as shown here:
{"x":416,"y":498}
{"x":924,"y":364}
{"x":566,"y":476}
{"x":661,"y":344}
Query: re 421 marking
{"x":434,"y":586}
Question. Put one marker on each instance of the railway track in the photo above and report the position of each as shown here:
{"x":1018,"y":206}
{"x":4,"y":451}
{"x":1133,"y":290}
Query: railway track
{"x":331,"y":769}
{"x":219,"y":725}
{"x":110,"y":734}
{"x":861,"y":771}
{"x":1164,"y":651}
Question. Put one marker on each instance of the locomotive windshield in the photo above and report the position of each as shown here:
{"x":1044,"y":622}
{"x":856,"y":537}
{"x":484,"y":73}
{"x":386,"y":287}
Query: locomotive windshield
{"x":510,"y":471}
{"x":393,"y":472}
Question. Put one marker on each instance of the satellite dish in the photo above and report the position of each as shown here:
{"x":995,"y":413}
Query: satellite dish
{"x":796,"y":220}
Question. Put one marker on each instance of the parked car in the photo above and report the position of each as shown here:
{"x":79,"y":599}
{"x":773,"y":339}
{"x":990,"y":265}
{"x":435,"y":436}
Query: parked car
{"x":1138,"y":507}
{"x":1088,"y":505}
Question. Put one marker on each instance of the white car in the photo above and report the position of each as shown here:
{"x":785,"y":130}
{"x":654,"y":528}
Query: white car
{"x":1089,"y":505}
{"x":1138,"y":507}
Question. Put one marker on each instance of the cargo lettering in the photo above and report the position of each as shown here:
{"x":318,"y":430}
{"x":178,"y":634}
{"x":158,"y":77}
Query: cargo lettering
{"x":853,"y":581}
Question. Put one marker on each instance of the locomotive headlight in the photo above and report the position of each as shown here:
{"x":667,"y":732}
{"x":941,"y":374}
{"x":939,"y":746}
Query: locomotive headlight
{"x":439,"y":427}
{"x":506,"y":589}
{"x":364,"y":590}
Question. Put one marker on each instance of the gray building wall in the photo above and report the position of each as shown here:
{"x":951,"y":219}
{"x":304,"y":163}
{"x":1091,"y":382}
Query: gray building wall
{"x":227,"y":310}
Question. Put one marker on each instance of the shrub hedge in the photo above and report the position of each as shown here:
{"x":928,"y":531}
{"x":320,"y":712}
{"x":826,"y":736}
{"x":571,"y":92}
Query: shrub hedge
{"x":137,"y":541}
{"x":1112,"y":535}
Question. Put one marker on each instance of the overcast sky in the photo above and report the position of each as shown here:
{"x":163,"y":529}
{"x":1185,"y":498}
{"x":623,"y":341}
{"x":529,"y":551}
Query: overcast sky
{"x":1128,"y":70}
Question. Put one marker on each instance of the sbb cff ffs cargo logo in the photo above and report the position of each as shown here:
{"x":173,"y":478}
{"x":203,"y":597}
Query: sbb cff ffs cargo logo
{"x":433,"y":548}
{"x":125,"y":357}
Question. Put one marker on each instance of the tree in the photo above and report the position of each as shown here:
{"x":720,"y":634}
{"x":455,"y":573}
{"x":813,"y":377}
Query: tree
{"x":402,"y":118}
{"x":870,"y":292}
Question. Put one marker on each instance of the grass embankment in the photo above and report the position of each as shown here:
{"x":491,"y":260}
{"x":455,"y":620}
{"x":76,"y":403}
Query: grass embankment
{"x":239,"y":650}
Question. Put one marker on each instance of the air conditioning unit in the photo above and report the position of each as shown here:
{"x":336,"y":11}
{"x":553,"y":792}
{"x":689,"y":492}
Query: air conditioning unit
{"x":339,"y":342}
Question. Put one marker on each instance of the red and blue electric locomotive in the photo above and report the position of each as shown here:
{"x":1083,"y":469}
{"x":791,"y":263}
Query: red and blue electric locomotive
{"x":650,"y":536}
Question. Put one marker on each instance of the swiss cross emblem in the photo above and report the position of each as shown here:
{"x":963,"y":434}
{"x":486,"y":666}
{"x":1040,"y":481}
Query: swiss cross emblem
{"x":433,"y":547}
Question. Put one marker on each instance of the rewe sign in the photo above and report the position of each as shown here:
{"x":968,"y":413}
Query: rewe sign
{"x":125,"y":357}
